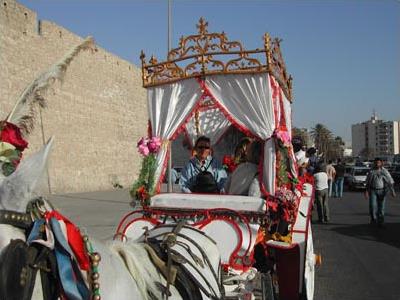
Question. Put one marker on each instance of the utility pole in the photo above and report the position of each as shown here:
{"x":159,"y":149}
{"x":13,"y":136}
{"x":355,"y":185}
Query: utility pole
{"x":170,"y":183}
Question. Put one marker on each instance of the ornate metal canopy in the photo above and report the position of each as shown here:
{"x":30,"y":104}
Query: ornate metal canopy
{"x":206,"y":53}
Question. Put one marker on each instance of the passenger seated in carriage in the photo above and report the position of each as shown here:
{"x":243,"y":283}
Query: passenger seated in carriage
{"x":240,"y":154}
{"x":244,"y":180}
{"x":230,"y":162}
{"x":203,"y":173}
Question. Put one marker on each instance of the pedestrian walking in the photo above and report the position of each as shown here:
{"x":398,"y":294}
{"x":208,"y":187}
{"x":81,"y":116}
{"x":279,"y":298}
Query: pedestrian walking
{"x":321,"y":193}
{"x":331,"y":172}
{"x":379,"y":183}
{"x":339,"y":179}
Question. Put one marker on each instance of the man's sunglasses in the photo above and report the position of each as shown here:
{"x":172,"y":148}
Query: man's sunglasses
{"x":203,"y":147}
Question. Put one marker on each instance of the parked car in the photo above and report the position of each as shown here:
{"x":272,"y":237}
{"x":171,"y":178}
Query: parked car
{"x":358,"y":177}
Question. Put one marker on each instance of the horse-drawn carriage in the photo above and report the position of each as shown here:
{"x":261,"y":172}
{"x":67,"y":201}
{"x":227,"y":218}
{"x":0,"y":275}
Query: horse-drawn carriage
{"x":176,"y":246}
{"x":207,"y":85}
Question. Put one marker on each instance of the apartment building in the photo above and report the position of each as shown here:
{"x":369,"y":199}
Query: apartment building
{"x":375,"y":138}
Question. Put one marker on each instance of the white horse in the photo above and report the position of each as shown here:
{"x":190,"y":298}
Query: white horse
{"x":125,"y":269}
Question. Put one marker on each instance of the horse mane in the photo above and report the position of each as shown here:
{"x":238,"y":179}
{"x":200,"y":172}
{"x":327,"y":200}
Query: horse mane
{"x":137,"y":262}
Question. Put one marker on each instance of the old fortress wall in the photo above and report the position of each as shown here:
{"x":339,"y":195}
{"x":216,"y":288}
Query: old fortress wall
{"x":96,"y":115}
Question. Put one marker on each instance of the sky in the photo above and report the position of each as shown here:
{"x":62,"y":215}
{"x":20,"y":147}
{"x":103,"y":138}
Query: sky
{"x":344,"y":55}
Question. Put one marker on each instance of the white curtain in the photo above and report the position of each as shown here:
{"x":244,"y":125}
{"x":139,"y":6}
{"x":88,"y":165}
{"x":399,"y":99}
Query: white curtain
{"x":169,"y":106}
{"x":287,"y":107}
{"x":212,"y":123}
{"x":247,"y":98}
{"x":269,"y":167}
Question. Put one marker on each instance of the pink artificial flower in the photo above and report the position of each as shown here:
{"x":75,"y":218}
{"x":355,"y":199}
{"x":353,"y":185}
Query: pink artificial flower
{"x":154,"y":144}
{"x":142,"y":141}
{"x":284,"y":137}
{"x":143,"y":149}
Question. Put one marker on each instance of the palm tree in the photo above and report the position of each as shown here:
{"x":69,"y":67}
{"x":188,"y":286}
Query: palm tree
{"x":335,"y":149}
{"x":301,"y":134}
{"x":322,"y":136}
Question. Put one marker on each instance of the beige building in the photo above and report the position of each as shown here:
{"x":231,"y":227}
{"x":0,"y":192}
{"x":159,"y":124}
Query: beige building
{"x":375,"y":138}
{"x":96,"y":116}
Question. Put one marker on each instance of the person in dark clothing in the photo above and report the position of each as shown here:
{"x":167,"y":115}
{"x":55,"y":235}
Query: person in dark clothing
{"x":339,"y":180}
{"x":313,"y":162}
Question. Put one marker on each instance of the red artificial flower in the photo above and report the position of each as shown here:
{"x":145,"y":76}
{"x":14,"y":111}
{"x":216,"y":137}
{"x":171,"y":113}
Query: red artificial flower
{"x":272,"y":205}
{"x":142,"y":193}
{"x":229,"y":163}
{"x":11,"y":134}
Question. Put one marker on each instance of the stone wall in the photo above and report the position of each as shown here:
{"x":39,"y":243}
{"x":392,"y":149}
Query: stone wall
{"x":96,"y":115}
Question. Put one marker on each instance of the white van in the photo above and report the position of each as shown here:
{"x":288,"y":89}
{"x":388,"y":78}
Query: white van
{"x":358,"y":178}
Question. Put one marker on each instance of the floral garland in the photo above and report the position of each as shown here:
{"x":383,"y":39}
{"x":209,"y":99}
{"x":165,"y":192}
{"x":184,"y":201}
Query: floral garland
{"x":284,"y":205}
{"x":143,"y":187}
{"x":283,"y":142}
{"x":12,"y":144}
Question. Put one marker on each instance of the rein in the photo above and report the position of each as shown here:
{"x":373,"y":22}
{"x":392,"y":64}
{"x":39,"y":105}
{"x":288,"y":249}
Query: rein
{"x":168,"y":240}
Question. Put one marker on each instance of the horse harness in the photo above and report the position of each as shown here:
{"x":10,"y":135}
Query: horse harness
{"x":173,"y":265}
{"x":19,"y":266}
{"x":20,"y":263}
{"x":16,"y":219}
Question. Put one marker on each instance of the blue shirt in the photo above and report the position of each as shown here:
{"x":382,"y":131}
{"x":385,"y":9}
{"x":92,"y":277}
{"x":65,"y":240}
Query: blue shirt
{"x":194,"y":167}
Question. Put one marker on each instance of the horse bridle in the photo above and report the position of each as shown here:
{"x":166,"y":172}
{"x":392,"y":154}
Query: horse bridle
{"x":16,"y":219}
{"x":23,"y":220}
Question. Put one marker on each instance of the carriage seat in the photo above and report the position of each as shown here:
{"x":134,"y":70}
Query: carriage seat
{"x":208,"y":201}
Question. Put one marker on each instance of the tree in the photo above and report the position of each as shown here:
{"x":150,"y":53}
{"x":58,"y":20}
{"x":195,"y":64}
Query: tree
{"x":336,"y":148}
{"x":301,"y":134}
{"x":322,"y":137}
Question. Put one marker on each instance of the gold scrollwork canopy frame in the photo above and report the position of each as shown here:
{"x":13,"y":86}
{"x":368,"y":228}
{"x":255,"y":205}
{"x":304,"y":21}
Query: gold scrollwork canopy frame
{"x":206,"y":53}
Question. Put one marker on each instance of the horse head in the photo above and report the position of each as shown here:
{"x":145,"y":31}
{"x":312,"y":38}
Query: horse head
{"x":16,"y":190}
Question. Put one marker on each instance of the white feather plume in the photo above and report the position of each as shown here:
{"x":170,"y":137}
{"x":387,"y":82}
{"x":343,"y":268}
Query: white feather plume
{"x":23,"y":113}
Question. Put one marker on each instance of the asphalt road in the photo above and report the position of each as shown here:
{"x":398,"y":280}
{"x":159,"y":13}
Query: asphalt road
{"x":359,"y":261}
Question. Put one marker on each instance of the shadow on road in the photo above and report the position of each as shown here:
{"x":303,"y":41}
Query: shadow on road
{"x":388,"y":235}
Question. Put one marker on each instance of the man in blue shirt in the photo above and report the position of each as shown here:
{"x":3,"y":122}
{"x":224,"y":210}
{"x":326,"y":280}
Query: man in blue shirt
{"x":203,"y":173}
